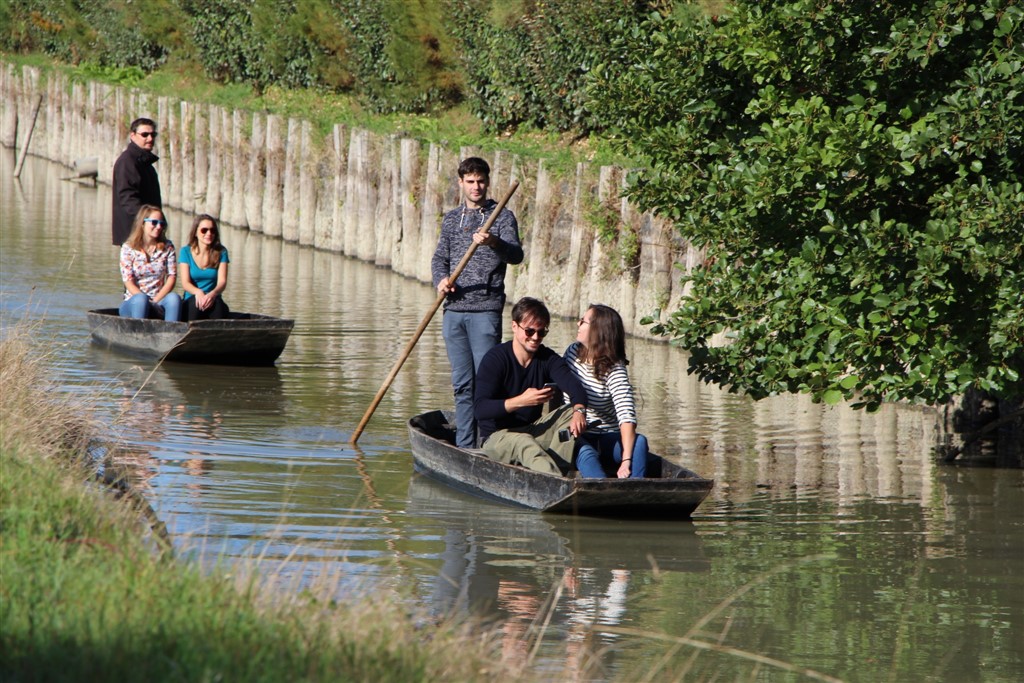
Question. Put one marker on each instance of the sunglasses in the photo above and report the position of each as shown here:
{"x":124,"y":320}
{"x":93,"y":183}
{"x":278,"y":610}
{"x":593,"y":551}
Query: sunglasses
{"x":529,"y":332}
{"x":147,"y":134}
{"x":155,"y":221}
{"x":203,"y":231}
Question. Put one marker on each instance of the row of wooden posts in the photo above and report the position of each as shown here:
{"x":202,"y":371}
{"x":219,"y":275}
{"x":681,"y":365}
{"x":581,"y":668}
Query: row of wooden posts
{"x":371,"y":196}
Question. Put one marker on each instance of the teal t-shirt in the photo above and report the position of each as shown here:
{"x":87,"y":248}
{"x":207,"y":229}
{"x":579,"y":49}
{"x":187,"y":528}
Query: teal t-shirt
{"x":204,"y":278}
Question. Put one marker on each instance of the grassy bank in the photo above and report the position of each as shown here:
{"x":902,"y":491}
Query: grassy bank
{"x":85,"y":593}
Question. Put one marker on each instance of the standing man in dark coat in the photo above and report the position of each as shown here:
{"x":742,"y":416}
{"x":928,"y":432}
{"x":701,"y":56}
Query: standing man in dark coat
{"x":135,"y":180}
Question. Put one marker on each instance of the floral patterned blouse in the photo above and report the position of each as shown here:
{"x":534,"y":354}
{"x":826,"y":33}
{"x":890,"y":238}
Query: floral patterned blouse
{"x":149,"y":272}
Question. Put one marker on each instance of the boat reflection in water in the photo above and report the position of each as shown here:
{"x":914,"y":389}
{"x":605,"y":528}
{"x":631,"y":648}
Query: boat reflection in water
{"x":176,"y":419}
{"x":257,"y":389}
{"x":551,"y":582}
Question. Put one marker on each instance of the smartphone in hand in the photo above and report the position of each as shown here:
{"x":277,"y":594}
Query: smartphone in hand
{"x":550,"y":385}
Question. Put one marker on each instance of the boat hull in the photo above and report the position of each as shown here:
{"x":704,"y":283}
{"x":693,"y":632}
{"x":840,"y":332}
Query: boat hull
{"x":243,"y":339}
{"x":669,"y":491}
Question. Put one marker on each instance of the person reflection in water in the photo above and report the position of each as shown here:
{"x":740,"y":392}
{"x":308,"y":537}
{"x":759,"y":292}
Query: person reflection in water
{"x":523,"y":607}
{"x":148,"y":269}
{"x":587,"y":611}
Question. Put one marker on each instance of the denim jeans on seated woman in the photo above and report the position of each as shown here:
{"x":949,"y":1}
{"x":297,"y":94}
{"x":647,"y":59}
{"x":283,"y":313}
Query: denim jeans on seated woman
{"x":139,"y":306}
{"x":600,"y":454}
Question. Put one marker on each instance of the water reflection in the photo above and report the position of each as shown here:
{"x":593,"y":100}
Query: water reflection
{"x":547,"y":579}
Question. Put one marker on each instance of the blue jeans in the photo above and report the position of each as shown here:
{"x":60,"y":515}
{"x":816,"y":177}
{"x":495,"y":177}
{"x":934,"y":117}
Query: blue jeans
{"x":139,"y":306}
{"x":600,"y":453}
{"x":468,"y":336}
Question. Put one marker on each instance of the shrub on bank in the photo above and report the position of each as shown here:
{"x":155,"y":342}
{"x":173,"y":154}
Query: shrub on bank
{"x":512,"y":63}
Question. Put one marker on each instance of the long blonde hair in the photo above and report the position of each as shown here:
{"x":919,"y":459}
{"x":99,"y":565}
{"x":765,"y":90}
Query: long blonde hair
{"x":136,"y":238}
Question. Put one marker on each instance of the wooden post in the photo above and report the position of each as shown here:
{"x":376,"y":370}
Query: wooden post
{"x":28,"y":138}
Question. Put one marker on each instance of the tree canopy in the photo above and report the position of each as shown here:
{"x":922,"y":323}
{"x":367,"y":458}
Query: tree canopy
{"x":853,"y":170}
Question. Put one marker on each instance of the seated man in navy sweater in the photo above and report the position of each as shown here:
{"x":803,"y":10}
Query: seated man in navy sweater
{"x":514,"y":381}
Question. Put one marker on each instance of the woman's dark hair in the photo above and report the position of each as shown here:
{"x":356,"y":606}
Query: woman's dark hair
{"x":607,"y":346}
{"x":193,"y":235}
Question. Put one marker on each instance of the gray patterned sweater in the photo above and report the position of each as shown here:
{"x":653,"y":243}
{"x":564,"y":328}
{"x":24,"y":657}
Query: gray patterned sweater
{"x":481,"y":285}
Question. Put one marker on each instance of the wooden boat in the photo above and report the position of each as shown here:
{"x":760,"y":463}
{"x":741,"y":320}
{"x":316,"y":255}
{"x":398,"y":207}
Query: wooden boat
{"x":668,"y":491}
{"x":242,"y":339}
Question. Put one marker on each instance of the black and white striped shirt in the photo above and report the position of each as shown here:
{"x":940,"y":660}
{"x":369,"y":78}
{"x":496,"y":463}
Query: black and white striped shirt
{"x":610,"y":402}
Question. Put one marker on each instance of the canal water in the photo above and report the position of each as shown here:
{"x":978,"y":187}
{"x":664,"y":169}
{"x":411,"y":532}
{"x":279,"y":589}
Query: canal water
{"x":833,"y":544}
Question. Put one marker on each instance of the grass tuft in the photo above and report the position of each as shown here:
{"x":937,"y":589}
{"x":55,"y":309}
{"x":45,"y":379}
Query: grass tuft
{"x":31,"y":413}
{"x":85,"y":596}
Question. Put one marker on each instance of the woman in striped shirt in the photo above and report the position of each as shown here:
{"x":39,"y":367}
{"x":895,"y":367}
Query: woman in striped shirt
{"x":598,"y":357}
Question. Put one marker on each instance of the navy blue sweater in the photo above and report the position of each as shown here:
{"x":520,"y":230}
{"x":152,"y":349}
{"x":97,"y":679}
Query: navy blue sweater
{"x":501,"y":377}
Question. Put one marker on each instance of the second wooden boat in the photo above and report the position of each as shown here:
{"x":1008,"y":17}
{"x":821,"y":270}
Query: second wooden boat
{"x":242,"y":339}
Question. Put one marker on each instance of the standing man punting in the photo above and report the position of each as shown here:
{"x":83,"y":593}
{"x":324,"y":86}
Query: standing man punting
{"x":474,"y":304}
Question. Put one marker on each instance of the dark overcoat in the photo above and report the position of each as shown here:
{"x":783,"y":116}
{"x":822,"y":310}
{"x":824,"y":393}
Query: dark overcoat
{"x":135,"y":183}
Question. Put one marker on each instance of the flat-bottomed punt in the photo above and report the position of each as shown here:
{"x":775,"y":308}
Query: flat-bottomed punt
{"x":242,"y":339}
{"x":668,"y":492}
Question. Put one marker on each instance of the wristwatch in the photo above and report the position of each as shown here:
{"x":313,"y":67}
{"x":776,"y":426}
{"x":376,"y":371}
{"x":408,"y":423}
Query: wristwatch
{"x":581,"y":411}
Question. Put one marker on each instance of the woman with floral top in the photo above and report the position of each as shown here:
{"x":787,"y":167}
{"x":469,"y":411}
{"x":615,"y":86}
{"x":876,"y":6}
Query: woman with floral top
{"x":149,"y":269}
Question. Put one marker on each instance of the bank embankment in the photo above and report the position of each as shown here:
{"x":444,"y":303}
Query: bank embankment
{"x":368,"y":195}
{"x":88,"y":594}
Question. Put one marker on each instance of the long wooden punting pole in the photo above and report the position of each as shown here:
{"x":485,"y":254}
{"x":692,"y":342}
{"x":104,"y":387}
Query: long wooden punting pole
{"x":430,"y":314}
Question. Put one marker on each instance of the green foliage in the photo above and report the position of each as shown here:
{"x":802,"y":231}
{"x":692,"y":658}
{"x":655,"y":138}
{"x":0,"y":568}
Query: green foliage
{"x":528,"y":66}
{"x":392,"y":55}
{"x":105,"y":32}
{"x":270,"y":42}
{"x":227,"y":43}
{"x":367,"y":27}
{"x":854,"y":172}
{"x":515,"y":63}
{"x":427,"y":67}
{"x":128,"y":76}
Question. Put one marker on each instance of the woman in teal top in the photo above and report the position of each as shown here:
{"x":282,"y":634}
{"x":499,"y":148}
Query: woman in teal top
{"x":203,"y":271}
